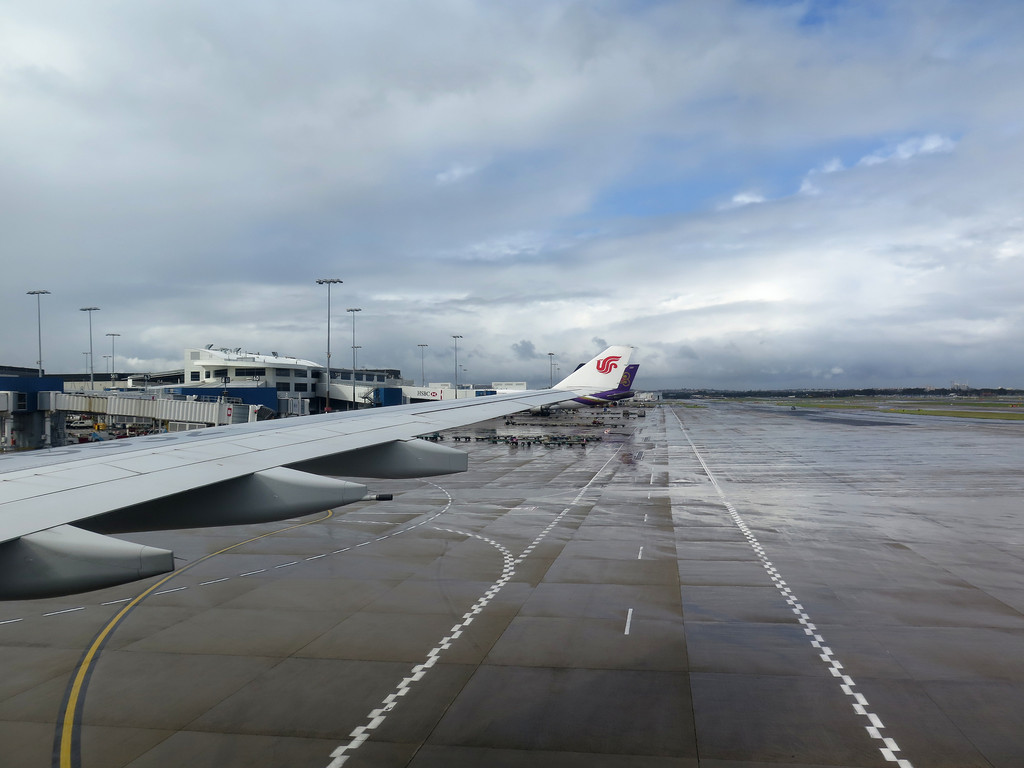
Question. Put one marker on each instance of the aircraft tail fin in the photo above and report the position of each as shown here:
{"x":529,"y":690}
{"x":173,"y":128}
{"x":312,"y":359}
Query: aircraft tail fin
{"x":607,"y":371}
{"x":626,"y":382}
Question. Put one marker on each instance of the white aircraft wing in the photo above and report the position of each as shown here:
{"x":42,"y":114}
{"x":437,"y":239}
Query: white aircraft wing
{"x":55,"y":505}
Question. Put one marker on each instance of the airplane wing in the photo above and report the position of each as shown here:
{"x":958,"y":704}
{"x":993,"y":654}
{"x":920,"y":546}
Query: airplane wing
{"x":56,"y":505}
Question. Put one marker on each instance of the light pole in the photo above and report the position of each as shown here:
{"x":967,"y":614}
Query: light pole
{"x":110,"y":357}
{"x":353,"y":310}
{"x":551,"y":369}
{"x":112,"y":337}
{"x":456,"y":337}
{"x":423,"y":375}
{"x":328,"y":281}
{"x":39,"y":326}
{"x":92,"y":372}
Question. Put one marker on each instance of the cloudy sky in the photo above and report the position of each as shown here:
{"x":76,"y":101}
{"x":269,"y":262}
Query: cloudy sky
{"x":754,"y":193}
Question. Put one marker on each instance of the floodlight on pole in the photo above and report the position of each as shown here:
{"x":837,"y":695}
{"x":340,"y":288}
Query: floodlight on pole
{"x":353,"y":310}
{"x":456,"y":337}
{"x":551,"y":369}
{"x":328,"y":281}
{"x":39,"y":326}
{"x":112,"y":337}
{"x":423,"y":375}
{"x":92,"y":371}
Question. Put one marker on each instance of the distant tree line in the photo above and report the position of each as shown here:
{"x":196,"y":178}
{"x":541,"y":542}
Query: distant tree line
{"x":686,"y":394}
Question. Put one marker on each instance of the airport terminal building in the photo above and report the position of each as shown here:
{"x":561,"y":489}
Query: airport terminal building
{"x":298,"y":385}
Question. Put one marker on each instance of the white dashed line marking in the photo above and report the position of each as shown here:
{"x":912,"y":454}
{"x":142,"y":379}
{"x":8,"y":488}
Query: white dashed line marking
{"x":66,"y":610}
{"x":629,"y":620}
{"x":889,"y":747}
{"x":375,"y":717}
{"x":437,"y":514}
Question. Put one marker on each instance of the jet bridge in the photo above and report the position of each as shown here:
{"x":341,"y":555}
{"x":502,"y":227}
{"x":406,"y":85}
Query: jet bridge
{"x":193,"y":410}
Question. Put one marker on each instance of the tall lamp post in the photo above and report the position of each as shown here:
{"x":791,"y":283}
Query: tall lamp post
{"x":328,"y":281}
{"x":456,"y":337}
{"x":423,"y":375}
{"x":353,"y":310}
{"x":551,"y":369}
{"x":112,"y":337}
{"x":92,"y":371}
{"x":39,"y":326}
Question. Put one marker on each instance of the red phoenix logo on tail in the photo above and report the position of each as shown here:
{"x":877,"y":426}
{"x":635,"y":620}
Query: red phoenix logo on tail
{"x":608,"y":364}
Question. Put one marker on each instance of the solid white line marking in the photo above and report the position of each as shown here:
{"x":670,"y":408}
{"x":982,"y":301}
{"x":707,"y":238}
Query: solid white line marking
{"x":629,"y":620}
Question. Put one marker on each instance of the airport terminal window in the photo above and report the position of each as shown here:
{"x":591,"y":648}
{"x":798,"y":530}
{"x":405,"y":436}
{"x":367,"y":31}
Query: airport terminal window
{"x":220,"y":373}
{"x":283,"y":371}
{"x":194,"y":376}
{"x":250,"y":371}
{"x":301,"y":387}
{"x":284,"y":386}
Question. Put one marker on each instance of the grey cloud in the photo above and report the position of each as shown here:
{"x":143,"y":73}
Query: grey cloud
{"x":524,"y":350}
{"x":553,"y":172}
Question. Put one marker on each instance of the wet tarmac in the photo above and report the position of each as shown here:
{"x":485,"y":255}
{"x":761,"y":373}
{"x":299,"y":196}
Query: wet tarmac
{"x":728,"y":586}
